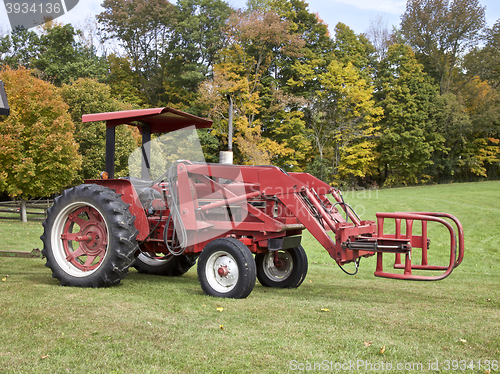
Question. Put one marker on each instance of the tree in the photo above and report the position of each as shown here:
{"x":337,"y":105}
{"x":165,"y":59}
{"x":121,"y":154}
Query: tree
{"x":440,"y":32}
{"x":61,"y":59}
{"x":244,"y":72}
{"x":143,"y":29}
{"x":380,"y":37}
{"x":124,"y":82}
{"x":38,"y":153}
{"x":197,"y":37}
{"x":409,"y":132}
{"x":342,"y":118}
{"x":86,"y":96}
{"x":19,"y":48}
{"x":318,"y":44}
{"x":484,"y":62}
{"x":355,"y":49}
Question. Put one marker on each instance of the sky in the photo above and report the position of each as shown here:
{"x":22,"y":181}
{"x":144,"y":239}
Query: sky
{"x":357,"y":14}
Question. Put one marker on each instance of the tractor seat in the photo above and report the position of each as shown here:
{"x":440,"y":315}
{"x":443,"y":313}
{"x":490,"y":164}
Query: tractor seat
{"x":144,"y":189}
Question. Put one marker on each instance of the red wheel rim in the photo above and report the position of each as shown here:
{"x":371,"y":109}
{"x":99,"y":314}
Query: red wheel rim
{"x":85,"y":238}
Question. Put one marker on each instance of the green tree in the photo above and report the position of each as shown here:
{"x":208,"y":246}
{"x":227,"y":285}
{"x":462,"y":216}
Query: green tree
{"x":124,"y":82}
{"x":143,"y":28}
{"x":86,"y":96}
{"x":409,"y":132}
{"x":318,"y":44}
{"x":342,"y":117}
{"x":355,"y":49}
{"x":440,"y":31}
{"x":197,"y":37}
{"x":38,"y":153}
{"x":262,"y":109}
{"x":61,"y":59}
{"x":19,"y":48}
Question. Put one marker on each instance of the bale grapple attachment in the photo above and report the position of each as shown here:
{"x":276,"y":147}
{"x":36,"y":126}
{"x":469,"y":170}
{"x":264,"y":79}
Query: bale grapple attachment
{"x":422,"y":242}
{"x":358,"y":238}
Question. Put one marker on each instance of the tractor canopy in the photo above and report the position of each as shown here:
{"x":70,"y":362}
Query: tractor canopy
{"x":149,"y":121}
{"x":159,"y":120}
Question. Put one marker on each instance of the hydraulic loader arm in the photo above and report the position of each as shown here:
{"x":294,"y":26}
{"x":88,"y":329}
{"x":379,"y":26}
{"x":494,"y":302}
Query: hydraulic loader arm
{"x":354,"y":238}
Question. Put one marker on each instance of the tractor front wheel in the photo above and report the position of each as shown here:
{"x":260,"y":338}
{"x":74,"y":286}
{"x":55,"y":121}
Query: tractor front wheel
{"x":226,"y":268}
{"x":286,"y":268}
{"x":89,"y":237}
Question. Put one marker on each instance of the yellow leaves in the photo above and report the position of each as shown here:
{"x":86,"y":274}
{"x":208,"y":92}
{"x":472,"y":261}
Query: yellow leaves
{"x":221,"y":327}
{"x":325,"y":309}
{"x":4,"y":279}
{"x":367,"y":344}
{"x":40,"y":123}
{"x":220,"y":309}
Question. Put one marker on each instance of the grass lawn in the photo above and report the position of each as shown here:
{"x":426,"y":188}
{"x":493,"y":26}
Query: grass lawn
{"x":151,"y":324}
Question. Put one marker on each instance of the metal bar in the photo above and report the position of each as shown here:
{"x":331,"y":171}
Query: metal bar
{"x":397,"y":260}
{"x":425,"y":260}
{"x":33,"y":254}
{"x":409,"y":232}
{"x":423,"y":217}
{"x":321,"y":210}
{"x":380,"y":233}
{"x":110,"y":152}
{"x":461,"y":245}
{"x":228,"y":201}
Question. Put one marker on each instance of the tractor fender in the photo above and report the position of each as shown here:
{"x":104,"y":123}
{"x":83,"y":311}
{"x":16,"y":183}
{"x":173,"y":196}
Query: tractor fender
{"x":129,"y":196}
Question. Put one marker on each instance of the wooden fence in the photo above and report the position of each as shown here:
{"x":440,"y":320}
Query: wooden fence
{"x":36,"y":210}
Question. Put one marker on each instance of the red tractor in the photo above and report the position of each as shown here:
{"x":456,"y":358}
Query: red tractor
{"x":239,"y":222}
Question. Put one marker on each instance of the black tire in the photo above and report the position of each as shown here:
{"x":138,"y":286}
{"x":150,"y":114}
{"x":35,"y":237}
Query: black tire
{"x":290,"y":272}
{"x":89,"y":237}
{"x":148,"y":263}
{"x":235,"y":259}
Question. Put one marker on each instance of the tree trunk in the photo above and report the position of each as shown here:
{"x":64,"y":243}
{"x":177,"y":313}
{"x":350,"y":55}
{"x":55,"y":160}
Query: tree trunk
{"x":24,"y":217}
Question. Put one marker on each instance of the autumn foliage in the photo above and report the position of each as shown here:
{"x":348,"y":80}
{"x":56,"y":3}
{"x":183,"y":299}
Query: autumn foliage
{"x":417,"y":104}
{"x":38,"y":152}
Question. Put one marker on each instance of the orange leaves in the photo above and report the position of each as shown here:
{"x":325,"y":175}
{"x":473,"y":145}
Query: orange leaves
{"x":40,"y":156}
{"x":370,"y":343}
{"x":265,"y":31}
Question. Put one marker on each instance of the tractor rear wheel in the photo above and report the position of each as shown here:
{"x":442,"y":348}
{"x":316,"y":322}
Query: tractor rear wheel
{"x":226,"y":268}
{"x":287,"y":270}
{"x":89,"y":237}
{"x":170,"y":265}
